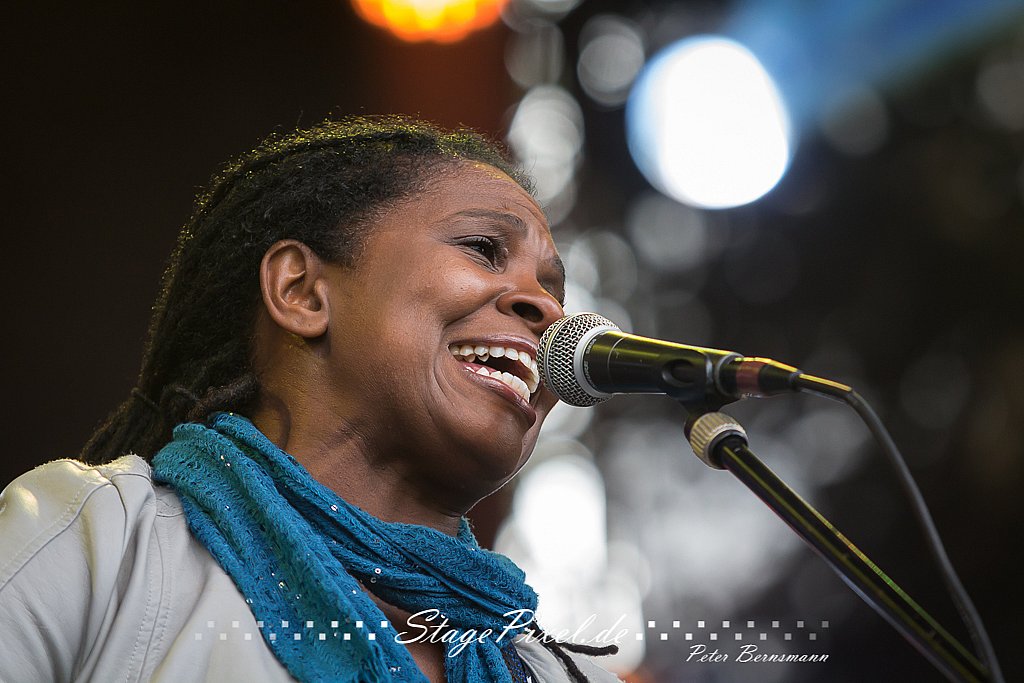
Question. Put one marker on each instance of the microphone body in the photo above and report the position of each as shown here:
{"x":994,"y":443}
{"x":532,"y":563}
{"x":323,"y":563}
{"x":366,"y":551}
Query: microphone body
{"x":585,"y":359}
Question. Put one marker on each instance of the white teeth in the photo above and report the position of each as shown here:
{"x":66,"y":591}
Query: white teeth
{"x":518,"y":385}
{"x":524,"y":389}
{"x":534,"y":378}
{"x":481,"y":353}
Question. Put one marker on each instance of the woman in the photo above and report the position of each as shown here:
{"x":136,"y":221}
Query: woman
{"x":346,"y":338}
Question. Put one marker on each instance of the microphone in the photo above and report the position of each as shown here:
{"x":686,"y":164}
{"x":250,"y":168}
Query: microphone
{"x":585,"y":359}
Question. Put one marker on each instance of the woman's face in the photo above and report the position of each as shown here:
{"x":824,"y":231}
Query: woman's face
{"x":467,"y":263}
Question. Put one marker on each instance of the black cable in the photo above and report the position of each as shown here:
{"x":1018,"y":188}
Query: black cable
{"x":962,"y":601}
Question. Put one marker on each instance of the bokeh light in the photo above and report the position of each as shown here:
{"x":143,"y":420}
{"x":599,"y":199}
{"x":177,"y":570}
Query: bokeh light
{"x":443,"y":21}
{"x":611,"y":57}
{"x":667,"y":235}
{"x":691,"y":521}
{"x":603,"y":262}
{"x":551,"y":7}
{"x":557,"y":532}
{"x":857,"y":124}
{"x":535,"y":54}
{"x":706,"y":124}
{"x":546,"y":136}
{"x":1000,"y":89}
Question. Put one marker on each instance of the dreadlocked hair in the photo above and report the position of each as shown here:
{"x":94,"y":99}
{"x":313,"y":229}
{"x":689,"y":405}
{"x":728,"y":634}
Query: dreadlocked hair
{"x":321,"y":186}
{"x":558,"y":649}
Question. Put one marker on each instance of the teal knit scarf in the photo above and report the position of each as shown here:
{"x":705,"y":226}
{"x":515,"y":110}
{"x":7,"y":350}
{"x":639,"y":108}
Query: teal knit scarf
{"x":298,"y":553}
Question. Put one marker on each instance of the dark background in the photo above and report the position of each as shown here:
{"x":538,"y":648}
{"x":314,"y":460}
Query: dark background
{"x":117,"y":113}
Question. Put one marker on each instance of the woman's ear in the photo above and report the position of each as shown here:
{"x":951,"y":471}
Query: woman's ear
{"x":293,"y":289}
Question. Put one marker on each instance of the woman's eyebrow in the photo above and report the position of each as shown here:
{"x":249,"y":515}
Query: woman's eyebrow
{"x":509,"y":219}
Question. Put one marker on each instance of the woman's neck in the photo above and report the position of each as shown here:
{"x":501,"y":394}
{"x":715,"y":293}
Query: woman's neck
{"x":343,"y":461}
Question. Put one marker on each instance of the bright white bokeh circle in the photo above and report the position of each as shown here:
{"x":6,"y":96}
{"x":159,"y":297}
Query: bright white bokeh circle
{"x":706,"y":124}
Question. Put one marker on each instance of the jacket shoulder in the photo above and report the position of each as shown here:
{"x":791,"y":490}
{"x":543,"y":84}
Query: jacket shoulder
{"x":45,"y":502}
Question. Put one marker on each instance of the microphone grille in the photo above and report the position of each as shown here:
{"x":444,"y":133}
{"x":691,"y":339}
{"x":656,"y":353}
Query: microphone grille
{"x":556,"y":358}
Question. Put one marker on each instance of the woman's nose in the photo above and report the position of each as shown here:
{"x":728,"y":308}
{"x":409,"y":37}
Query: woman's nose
{"x":534,"y":304}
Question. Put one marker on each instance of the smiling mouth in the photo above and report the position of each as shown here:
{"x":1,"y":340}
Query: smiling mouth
{"x":515,"y":368}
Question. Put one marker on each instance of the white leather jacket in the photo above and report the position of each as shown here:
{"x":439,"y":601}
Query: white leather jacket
{"x":101,"y":580}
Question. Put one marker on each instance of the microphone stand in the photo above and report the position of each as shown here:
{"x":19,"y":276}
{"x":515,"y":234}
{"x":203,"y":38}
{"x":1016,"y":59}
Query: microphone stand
{"x":723,"y":445}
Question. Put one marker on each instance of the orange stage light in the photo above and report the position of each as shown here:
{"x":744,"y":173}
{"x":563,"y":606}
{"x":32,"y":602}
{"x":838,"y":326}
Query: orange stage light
{"x":443,"y":21}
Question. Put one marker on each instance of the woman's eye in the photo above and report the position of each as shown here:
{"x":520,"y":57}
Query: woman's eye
{"x":487,"y":247}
